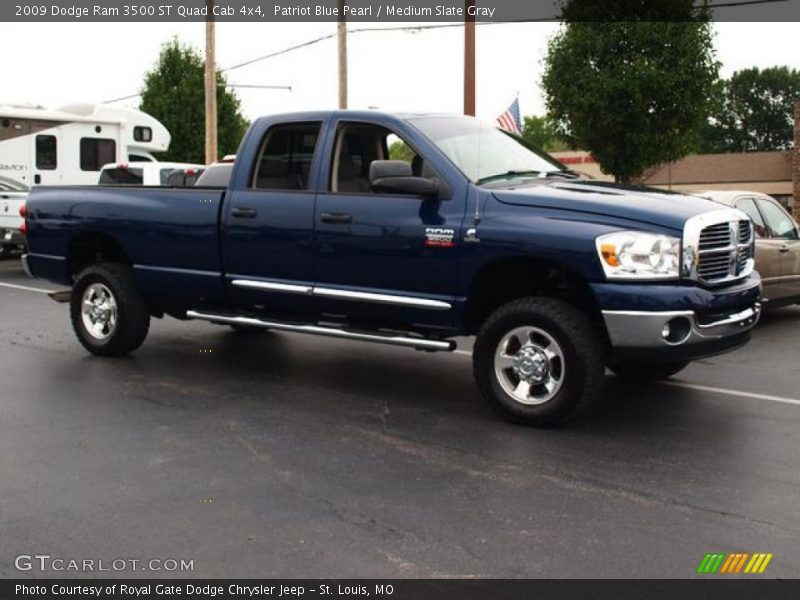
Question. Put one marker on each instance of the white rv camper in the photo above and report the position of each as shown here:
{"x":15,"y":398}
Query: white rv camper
{"x":70,"y":145}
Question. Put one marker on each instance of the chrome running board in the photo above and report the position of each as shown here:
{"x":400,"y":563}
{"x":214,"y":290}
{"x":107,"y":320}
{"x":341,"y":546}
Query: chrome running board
{"x":393,"y":340}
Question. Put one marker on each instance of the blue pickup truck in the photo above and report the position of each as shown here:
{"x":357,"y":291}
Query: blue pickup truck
{"x":413,"y":230}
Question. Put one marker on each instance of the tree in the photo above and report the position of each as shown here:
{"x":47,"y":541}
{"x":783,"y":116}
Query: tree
{"x":541,"y":133}
{"x":174,"y":94}
{"x":754,"y":112}
{"x":632,"y":83}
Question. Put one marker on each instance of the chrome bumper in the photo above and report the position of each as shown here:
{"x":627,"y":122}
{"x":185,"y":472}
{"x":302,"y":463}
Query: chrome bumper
{"x":25,"y":266}
{"x":643,"y":329}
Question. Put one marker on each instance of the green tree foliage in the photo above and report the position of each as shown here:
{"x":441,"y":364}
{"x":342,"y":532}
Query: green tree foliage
{"x":541,"y":133}
{"x":632,"y":83}
{"x":755,"y":111}
{"x":398,"y":150}
{"x":174,"y":94}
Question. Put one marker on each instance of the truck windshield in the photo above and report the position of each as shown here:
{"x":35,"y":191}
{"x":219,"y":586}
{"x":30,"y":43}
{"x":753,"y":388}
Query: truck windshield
{"x":484,"y":153}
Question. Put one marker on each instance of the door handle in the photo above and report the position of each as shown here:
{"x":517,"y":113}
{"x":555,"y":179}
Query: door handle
{"x":336,"y":218}
{"x":244,"y":213}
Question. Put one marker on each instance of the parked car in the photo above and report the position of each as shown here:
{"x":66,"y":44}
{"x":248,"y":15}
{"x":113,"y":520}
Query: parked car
{"x":318,"y":232}
{"x":141,"y":173}
{"x":777,"y":243}
{"x":12,"y":196}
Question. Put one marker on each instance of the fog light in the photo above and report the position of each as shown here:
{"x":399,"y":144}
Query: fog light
{"x":676,"y":331}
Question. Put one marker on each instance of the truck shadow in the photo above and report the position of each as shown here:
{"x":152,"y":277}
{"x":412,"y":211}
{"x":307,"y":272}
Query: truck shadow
{"x":322,"y":375}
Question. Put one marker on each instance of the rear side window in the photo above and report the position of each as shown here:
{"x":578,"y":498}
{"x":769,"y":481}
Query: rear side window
{"x":122,"y":177}
{"x":46,"y":152}
{"x":215,"y":176}
{"x":96,"y":152}
{"x":748,"y":206}
{"x":285,"y":159}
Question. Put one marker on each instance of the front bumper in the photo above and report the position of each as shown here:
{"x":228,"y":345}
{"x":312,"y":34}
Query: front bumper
{"x":640,"y":335}
{"x":666,"y":322}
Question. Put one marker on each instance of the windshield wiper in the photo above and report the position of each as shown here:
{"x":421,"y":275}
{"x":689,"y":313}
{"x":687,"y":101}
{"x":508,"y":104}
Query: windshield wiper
{"x":507,"y":175}
{"x":564,"y":174}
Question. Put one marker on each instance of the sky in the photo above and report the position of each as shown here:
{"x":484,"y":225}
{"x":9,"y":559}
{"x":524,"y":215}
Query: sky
{"x":55,"y":64}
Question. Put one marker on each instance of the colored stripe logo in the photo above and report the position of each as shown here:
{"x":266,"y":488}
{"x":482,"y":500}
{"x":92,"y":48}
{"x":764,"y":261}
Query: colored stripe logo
{"x":736,"y":562}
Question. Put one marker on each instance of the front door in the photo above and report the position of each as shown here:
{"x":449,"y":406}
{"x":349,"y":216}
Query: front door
{"x":269,"y":225}
{"x":787,"y":242}
{"x":381,"y":257}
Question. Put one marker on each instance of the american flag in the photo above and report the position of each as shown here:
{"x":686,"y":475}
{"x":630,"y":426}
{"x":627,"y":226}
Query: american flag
{"x":510,"y":120}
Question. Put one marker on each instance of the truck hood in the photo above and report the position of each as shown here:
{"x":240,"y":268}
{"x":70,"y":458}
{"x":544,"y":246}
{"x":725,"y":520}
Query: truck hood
{"x":646,"y":205}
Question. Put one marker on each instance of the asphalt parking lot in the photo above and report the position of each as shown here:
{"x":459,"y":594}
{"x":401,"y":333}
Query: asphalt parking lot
{"x":280,"y":455}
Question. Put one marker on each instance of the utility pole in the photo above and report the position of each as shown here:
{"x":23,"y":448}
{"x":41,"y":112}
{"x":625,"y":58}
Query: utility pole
{"x":469,"y":59}
{"x":211,"y":86}
{"x":342,"y":40}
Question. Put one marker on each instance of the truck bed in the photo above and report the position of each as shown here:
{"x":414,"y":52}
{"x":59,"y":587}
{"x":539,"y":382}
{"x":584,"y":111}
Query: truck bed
{"x":169,"y":234}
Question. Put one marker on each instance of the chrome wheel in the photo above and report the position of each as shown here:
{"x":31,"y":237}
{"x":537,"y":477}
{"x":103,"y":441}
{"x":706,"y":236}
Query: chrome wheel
{"x":529,"y":365}
{"x":99,"y":311}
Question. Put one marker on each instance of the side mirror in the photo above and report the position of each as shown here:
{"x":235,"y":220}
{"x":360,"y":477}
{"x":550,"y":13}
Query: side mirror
{"x":394,"y":177}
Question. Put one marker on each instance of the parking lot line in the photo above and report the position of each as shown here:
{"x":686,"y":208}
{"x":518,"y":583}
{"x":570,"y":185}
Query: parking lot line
{"x":727,"y":392}
{"x":26,"y":288}
{"x":706,"y":388}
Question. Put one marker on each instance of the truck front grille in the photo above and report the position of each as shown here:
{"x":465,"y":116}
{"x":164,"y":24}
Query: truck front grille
{"x":725,"y":251}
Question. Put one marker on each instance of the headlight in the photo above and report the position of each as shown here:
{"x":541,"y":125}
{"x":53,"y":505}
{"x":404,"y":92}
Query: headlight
{"x":639,"y":255}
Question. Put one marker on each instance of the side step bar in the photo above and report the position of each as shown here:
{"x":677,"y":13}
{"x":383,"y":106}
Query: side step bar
{"x":393,"y":340}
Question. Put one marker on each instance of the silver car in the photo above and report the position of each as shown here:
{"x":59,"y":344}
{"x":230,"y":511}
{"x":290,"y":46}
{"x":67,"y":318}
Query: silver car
{"x":777,"y":243}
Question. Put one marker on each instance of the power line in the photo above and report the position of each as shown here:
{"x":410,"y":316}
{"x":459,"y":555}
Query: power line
{"x":416,"y":28}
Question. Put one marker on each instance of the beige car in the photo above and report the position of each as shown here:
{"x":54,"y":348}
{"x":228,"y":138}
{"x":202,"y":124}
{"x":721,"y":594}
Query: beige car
{"x":777,"y":243}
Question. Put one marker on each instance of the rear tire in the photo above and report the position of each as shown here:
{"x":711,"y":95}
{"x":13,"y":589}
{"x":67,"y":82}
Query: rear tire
{"x":109,"y":314}
{"x":538,"y":361}
{"x":647,"y":371}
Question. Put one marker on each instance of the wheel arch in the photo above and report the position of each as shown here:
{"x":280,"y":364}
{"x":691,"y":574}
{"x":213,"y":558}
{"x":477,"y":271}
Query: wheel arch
{"x":89,"y":248}
{"x":505,"y":279}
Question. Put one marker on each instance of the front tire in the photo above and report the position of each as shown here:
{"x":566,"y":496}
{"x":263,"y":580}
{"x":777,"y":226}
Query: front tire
{"x":647,"y":371}
{"x":109,"y":314}
{"x":538,"y":361}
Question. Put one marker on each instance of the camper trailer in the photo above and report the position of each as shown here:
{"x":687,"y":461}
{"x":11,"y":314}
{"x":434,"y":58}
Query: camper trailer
{"x":70,"y":145}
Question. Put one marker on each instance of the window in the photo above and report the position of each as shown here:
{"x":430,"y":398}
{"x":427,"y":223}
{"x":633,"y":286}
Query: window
{"x":96,"y":152}
{"x":46,"y":150}
{"x":163,"y":175}
{"x":218,"y":175}
{"x":286,"y":155}
{"x":748,"y":206}
{"x":778,"y":220}
{"x":357,"y":145}
{"x":140,"y":158}
{"x":120,"y":176}
{"x":142,"y":134}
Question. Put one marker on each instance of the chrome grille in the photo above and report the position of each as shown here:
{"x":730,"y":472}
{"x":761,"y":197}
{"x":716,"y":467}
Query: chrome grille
{"x":745,"y":232}
{"x":724,"y":251}
{"x":715,"y":236}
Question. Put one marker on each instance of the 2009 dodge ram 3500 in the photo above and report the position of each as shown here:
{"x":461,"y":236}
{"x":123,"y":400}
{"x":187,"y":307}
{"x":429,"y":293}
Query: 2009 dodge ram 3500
{"x":320,"y":231}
